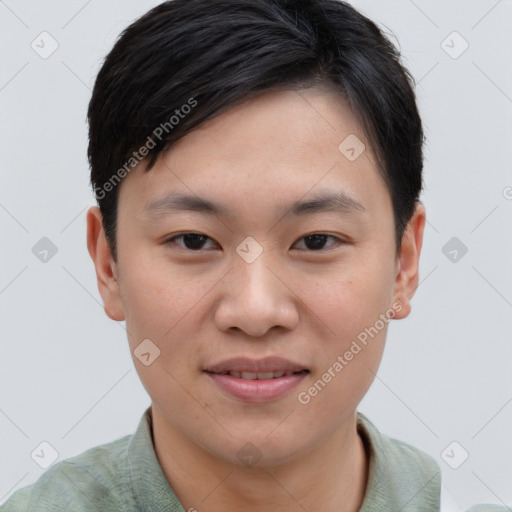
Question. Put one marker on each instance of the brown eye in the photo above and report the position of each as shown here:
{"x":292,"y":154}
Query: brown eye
{"x":318,"y":241}
{"x":190,"y":241}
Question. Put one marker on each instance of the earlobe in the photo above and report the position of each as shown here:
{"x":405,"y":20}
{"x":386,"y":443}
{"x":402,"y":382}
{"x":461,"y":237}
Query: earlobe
{"x":407,"y":276}
{"x":105,"y":266}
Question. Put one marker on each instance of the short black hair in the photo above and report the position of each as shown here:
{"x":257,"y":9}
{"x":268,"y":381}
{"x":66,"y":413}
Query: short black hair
{"x":186,"y":61}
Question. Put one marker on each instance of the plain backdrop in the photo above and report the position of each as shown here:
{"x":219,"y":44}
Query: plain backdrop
{"x":66,"y":376}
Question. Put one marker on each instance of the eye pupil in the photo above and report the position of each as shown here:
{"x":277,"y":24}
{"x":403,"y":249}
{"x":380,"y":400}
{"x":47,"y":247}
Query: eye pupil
{"x":194,"y":240}
{"x":316,"y":241}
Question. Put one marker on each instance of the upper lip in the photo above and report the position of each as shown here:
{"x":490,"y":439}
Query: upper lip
{"x":243,"y":364}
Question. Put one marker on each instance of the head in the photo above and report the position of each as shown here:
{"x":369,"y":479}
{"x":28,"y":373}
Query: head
{"x":285,"y":138}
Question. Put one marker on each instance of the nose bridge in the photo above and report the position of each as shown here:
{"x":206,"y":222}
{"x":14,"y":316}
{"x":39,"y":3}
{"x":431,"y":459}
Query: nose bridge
{"x":255,"y":300}
{"x":254,"y":280}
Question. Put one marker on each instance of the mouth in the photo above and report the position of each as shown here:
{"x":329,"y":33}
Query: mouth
{"x":259,"y":375}
{"x":256,"y":381}
{"x":267,"y":368}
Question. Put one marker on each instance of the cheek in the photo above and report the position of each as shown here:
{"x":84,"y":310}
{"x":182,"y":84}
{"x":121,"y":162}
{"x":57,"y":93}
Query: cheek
{"x":356,"y":310}
{"x":159,"y":300}
{"x":350,"y":302}
{"x":163,"y":305}
{"x":347,"y":358}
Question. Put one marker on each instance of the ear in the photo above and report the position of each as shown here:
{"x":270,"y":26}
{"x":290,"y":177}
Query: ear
{"x":407,"y":274}
{"x":106,"y":269}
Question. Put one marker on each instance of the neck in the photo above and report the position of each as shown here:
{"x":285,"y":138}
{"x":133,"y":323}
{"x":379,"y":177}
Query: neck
{"x":332,"y":476}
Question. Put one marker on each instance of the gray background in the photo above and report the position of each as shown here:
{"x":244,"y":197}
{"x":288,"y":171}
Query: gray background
{"x":66,"y":376}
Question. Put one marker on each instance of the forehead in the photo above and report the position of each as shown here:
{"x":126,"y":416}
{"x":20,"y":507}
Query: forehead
{"x":276,"y":147}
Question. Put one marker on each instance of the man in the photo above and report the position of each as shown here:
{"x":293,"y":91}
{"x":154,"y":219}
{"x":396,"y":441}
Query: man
{"x":258,"y":167}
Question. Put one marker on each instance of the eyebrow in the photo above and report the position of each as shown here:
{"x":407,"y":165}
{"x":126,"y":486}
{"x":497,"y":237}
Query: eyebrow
{"x":332,"y":201}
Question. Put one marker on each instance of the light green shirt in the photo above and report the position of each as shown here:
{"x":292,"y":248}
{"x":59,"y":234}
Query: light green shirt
{"x":125,"y":475}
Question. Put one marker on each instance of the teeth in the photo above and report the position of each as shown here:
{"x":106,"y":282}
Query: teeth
{"x":266,"y":375}
{"x":259,"y":375}
{"x":249,"y":375}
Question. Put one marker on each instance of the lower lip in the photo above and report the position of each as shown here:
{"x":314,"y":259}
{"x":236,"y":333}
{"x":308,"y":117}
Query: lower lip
{"x":257,"y":391}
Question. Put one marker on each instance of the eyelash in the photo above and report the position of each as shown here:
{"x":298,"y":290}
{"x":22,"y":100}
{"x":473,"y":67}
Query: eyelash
{"x":173,"y":239}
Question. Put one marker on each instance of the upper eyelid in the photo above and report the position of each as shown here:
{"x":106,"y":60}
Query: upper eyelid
{"x":178,"y":235}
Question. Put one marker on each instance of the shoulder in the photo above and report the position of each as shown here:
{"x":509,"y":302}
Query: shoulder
{"x":92,"y":480}
{"x":399,"y":473}
{"x":396,"y":453}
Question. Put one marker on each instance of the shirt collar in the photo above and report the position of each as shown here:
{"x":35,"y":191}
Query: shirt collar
{"x":150,"y":486}
{"x":399,"y":476}
{"x":387,"y":482}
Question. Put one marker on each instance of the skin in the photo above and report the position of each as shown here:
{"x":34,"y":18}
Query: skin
{"x":202,"y":307}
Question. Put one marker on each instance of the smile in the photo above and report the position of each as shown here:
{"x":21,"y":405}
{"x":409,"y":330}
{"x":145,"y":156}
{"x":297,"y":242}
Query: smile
{"x":256,"y":381}
{"x":259,"y":375}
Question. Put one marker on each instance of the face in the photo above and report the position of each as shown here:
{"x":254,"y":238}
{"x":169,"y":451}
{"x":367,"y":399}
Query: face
{"x":255,"y":246}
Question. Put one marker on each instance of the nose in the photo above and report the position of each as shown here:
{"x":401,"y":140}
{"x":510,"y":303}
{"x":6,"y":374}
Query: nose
{"x":256,"y":298}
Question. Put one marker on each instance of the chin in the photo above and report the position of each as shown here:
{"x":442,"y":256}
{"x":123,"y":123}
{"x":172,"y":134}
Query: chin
{"x":257,"y":450}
